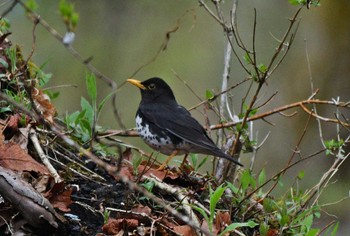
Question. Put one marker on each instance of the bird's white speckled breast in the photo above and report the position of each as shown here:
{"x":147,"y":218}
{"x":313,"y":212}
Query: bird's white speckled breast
{"x":161,"y":144}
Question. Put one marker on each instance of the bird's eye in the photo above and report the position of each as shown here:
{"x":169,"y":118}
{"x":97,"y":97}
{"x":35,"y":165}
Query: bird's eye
{"x":151,"y":86}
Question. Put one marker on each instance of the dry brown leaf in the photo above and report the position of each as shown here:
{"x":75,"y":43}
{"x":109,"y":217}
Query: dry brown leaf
{"x":160,"y":174}
{"x":43,"y":104}
{"x":40,"y":184}
{"x":60,"y":197}
{"x":11,"y":127}
{"x":185,"y":230}
{"x":21,"y":137}
{"x":205,"y":226}
{"x":142,"y":209}
{"x":222,"y":220}
{"x":127,"y":154}
{"x":272,"y":232}
{"x":126,"y":171}
{"x":114,"y":226}
{"x":13,"y":157}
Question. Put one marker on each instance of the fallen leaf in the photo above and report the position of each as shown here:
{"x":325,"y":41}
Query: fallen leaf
{"x":205,"y":226}
{"x":222,"y":220}
{"x":60,"y":196}
{"x":40,"y":184}
{"x":13,"y":157}
{"x":127,"y":154}
{"x":272,"y":232}
{"x":114,"y":226}
{"x":126,"y":171}
{"x":184,"y":230}
{"x":160,"y":174}
{"x":142,"y":209}
{"x":43,"y":104}
{"x":11,"y":127}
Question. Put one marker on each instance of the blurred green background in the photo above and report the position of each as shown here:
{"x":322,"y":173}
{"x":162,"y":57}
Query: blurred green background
{"x":123,"y":35}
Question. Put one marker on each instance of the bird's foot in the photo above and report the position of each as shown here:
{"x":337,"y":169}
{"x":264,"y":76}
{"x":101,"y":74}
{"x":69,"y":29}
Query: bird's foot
{"x":162,"y":167}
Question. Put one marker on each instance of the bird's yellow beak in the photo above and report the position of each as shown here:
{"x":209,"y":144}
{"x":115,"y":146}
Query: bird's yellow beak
{"x":136,"y":83}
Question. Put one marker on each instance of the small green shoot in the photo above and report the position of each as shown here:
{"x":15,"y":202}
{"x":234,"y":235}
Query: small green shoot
{"x":69,"y":15}
{"x":215,"y":196}
{"x":4,"y":25}
{"x":148,"y":185}
{"x":106,"y":214}
{"x":334,"y":146}
{"x":233,"y":226}
{"x":32,"y":5}
{"x":209,"y":94}
{"x":136,"y":161}
{"x":194,"y":160}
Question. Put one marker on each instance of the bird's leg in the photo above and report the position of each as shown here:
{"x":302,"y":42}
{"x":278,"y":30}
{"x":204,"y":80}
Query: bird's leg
{"x":184,"y":161}
{"x":174,"y":153}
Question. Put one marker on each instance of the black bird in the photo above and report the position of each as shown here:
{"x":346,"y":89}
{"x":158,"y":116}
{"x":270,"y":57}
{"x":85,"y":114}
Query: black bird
{"x":167,"y":126}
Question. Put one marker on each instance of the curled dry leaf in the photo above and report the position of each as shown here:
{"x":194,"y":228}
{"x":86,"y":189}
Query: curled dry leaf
{"x":127,"y":154}
{"x":11,"y":127}
{"x":114,"y":226}
{"x":60,"y":196}
{"x":222,"y":220}
{"x":43,"y":104}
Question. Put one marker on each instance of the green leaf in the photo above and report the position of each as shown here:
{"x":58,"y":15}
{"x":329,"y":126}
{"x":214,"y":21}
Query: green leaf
{"x":335,"y":229}
{"x":91,"y":87}
{"x":5,"y":109}
{"x":269,"y":205}
{"x":233,"y":188}
{"x":297,"y":2}
{"x":204,"y":214}
{"x":253,"y":112}
{"x":136,"y":161}
{"x":301,"y":174}
{"x":262,"y":68}
{"x":202,"y":162}
{"x":263,"y":228}
{"x":307,"y":222}
{"x":52,"y":95}
{"x":247,"y":179}
{"x":209,"y":94}
{"x":284,"y":216}
{"x":4,"y":25}
{"x":102,"y":103}
{"x":74,"y":19}
{"x":148,"y":185}
{"x":4,"y":63}
{"x":247,"y":58}
{"x":312,"y":232}
{"x":262,"y":177}
{"x":215,"y":197}
{"x":194,"y":159}
{"x":85,"y":106}
{"x":232,"y":227}
{"x":32,"y":5}
{"x":317,"y":214}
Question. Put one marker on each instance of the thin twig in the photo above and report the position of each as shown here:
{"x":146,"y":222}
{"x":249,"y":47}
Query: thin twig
{"x":44,"y":159}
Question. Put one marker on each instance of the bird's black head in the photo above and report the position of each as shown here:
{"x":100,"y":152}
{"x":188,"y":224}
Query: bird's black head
{"x":154,"y":90}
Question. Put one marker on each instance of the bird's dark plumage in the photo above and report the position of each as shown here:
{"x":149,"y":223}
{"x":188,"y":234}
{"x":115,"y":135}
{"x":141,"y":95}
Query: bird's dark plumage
{"x":166,"y":126}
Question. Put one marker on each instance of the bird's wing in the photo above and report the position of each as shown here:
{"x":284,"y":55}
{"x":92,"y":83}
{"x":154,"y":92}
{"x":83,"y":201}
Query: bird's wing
{"x":178,"y":121}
